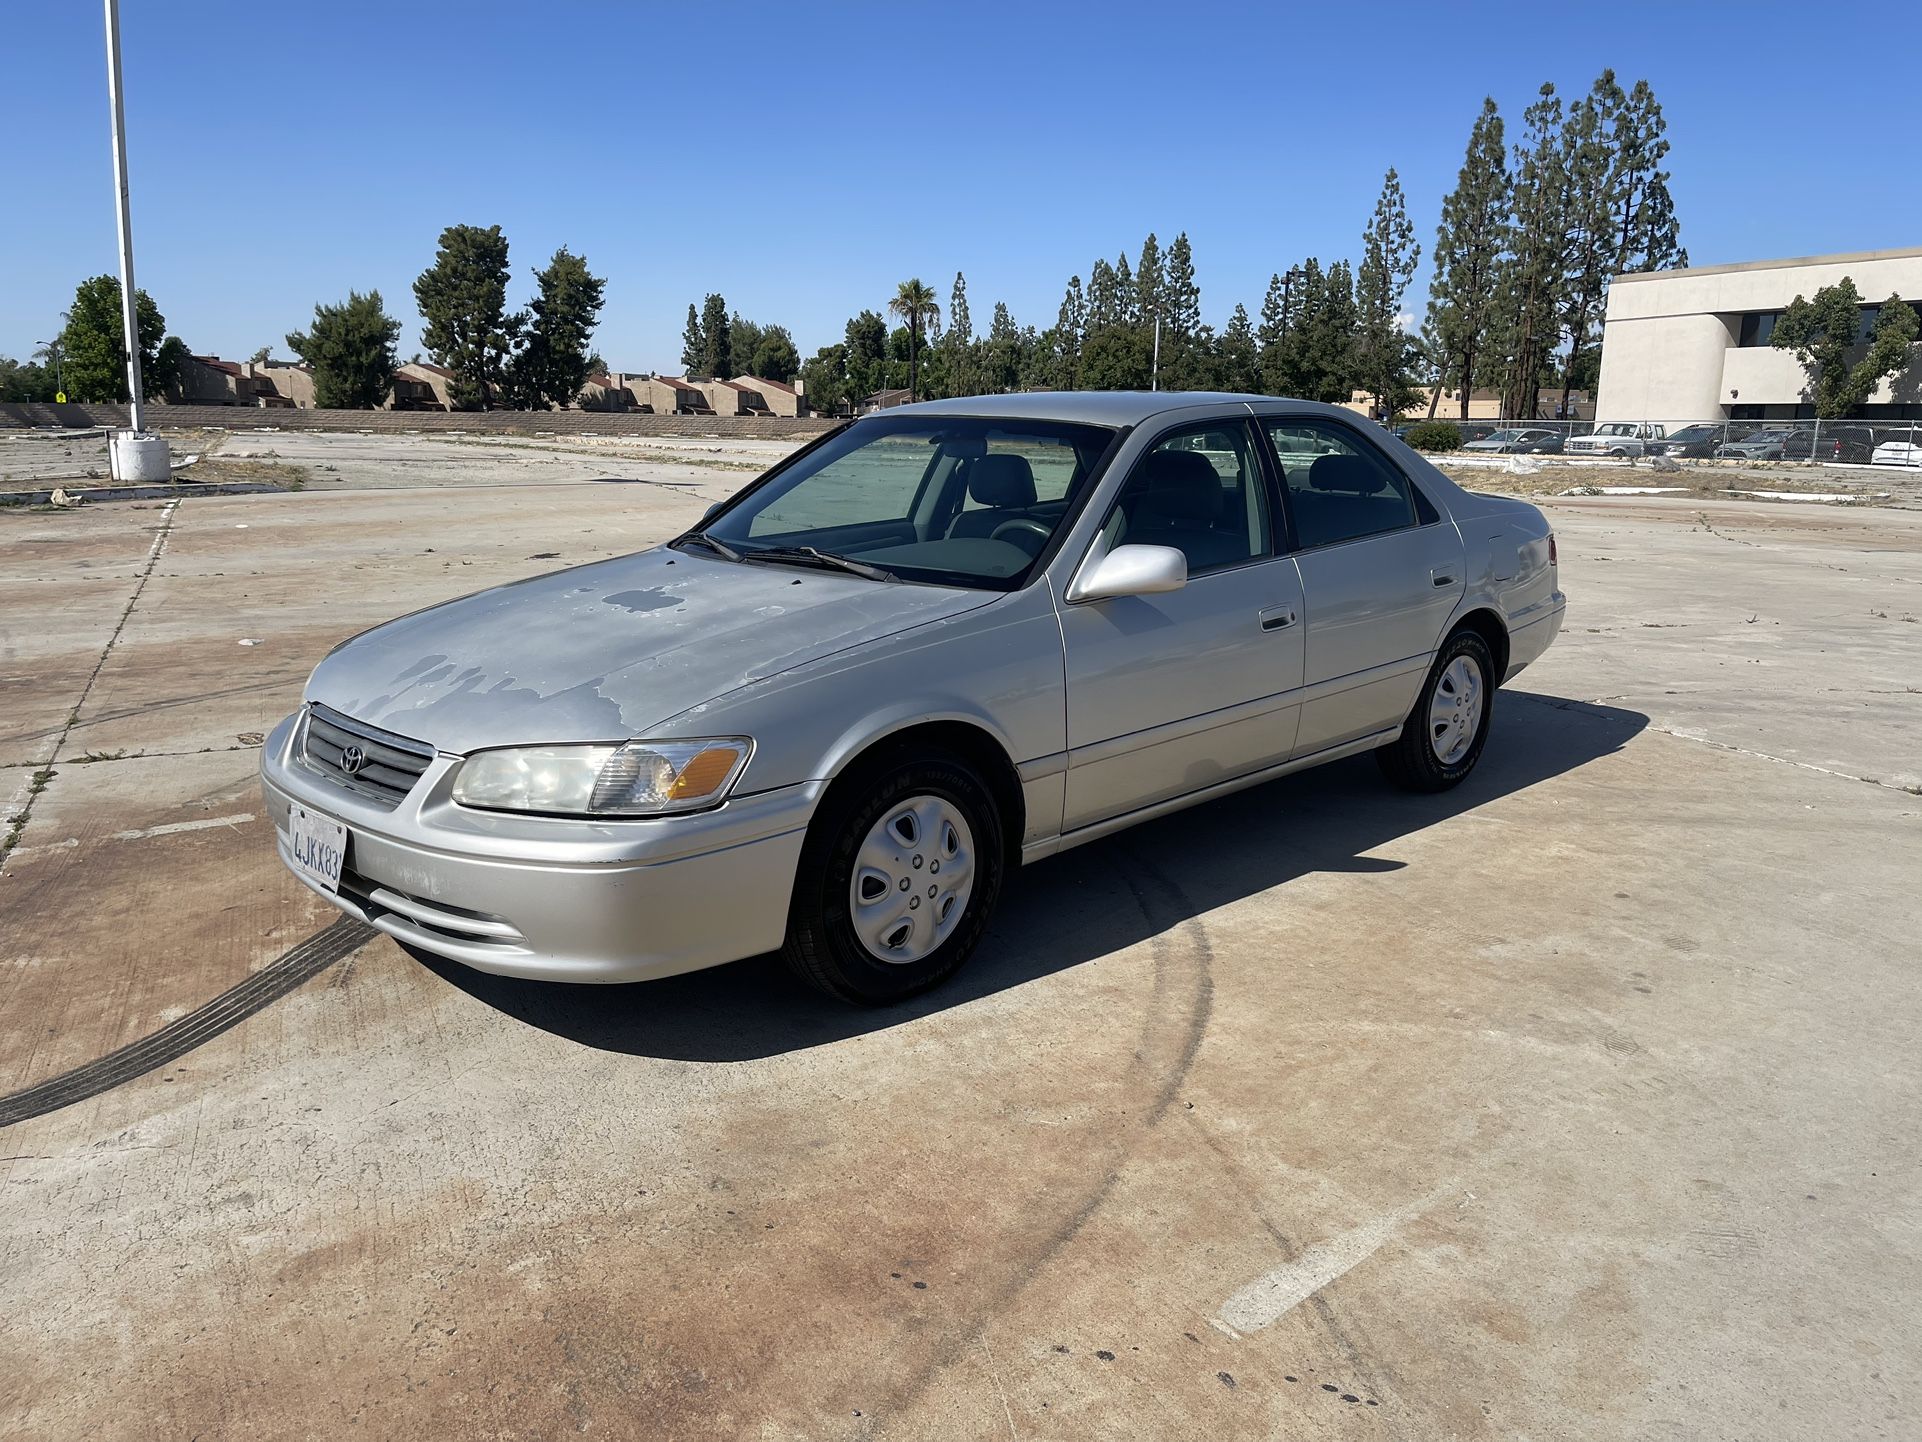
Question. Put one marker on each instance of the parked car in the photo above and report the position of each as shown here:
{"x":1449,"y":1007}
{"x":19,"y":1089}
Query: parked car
{"x":1802,"y":443}
{"x":1518,"y":442}
{"x":940,"y":642}
{"x":1898,"y":453}
{"x":1697,"y":441}
{"x":1616,"y":438}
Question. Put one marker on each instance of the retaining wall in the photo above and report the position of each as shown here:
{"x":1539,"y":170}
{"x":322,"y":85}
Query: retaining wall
{"x":560,"y":423}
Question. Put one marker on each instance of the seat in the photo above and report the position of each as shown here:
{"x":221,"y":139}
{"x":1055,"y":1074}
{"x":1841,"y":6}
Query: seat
{"x":1346,"y":496}
{"x":1179,"y":504}
{"x":1002,"y":488}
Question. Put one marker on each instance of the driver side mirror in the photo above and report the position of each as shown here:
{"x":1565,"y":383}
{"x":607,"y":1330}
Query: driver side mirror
{"x":1131,"y":571}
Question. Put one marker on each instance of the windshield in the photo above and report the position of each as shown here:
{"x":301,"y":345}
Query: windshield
{"x":940,"y":499}
{"x":1503,"y":436}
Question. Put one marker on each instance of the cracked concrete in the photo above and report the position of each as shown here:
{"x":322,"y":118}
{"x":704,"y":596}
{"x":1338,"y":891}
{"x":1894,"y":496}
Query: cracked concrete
{"x":1576,"y":1102}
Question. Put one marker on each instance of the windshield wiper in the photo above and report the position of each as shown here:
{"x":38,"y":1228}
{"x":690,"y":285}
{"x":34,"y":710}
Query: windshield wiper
{"x":809,"y":556}
{"x":718,"y":547}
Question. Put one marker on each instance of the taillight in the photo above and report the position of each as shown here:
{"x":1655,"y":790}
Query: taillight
{"x":1551,"y":550}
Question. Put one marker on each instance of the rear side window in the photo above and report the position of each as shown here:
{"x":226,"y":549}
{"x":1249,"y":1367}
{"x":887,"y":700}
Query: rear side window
{"x":1338,"y":488}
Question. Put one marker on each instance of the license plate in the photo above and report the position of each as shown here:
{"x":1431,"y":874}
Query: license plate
{"x":318,"y":845}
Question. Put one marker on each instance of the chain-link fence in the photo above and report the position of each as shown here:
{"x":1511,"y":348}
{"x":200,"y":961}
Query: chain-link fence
{"x":1809,"y":442}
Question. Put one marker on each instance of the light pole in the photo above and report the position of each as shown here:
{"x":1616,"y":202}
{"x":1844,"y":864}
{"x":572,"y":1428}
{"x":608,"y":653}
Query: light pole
{"x":54,"y":349}
{"x":134,"y":455}
{"x":1287,"y":281}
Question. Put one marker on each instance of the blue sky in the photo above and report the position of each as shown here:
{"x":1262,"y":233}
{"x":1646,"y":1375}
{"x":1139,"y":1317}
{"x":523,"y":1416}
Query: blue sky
{"x":803,"y":159}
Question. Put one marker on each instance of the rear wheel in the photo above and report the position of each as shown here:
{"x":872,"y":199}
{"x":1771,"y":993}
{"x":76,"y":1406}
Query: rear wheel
{"x":1442,"y":738}
{"x":901,"y":870}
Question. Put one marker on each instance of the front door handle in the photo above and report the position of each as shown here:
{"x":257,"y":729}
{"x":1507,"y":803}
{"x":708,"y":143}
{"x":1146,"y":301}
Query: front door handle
{"x":1277,"y":618}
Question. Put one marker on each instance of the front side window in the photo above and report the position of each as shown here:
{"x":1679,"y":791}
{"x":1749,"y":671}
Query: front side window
{"x":946,"y":500}
{"x":1338,"y":488}
{"x":1200,"y":492}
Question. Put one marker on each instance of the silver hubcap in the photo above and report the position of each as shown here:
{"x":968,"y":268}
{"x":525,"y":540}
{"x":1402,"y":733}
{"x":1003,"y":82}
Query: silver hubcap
{"x":912,"y":878}
{"x":1455,"y":710}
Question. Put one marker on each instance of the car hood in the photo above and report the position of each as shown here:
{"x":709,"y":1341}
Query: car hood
{"x":603,"y":652}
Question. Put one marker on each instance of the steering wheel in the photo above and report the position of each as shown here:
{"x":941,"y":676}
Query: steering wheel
{"x":1022,"y":526}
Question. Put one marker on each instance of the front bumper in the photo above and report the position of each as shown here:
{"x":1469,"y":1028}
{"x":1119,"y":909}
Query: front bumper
{"x":554,"y":899}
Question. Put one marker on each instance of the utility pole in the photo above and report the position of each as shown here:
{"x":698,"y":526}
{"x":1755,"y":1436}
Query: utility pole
{"x":135,"y":455}
{"x":1154,"y":374}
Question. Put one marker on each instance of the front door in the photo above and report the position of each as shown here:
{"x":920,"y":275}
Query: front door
{"x":1171,"y":693}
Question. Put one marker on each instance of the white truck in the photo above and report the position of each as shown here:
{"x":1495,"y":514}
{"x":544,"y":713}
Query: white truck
{"x":1616,"y":438}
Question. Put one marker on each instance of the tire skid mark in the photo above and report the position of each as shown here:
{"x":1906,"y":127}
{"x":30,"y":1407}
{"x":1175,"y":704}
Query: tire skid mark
{"x":1183,"y":955}
{"x":280,"y":976}
{"x":17,"y":823}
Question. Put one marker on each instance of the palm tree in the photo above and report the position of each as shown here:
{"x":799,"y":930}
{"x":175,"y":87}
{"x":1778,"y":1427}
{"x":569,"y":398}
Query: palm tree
{"x":915,"y":304}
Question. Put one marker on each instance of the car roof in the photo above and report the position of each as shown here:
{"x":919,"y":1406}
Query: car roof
{"x":1106,"y":408}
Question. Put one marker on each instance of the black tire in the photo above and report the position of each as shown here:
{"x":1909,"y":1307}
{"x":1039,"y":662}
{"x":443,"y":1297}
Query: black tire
{"x":822,"y":946}
{"x":1410,"y":760}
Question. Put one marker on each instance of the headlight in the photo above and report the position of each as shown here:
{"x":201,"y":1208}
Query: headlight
{"x":642,"y":778}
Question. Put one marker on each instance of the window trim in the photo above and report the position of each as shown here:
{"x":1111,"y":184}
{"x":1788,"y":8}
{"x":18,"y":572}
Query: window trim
{"x":1174,"y":432}
{"x":1417,"y":497}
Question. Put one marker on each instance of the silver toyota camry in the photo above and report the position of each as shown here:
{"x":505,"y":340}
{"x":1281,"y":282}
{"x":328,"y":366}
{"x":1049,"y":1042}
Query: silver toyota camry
{"x":934,"y":644}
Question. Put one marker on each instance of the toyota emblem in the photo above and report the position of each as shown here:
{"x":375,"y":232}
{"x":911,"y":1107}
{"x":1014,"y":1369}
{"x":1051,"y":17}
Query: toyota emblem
{"x":352,"y":758}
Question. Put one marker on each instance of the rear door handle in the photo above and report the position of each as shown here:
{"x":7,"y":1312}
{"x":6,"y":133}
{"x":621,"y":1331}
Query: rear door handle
{"x":1441,"y":576}
{"x":1277,"y":618}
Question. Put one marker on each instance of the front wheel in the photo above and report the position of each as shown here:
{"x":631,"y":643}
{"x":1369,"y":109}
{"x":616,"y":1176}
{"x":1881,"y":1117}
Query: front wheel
{"x":1442,"y":738}
{"x":901,"y":870}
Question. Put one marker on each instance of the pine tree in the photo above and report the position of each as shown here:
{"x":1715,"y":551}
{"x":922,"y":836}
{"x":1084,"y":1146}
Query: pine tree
{"x":1274,"y":329}
{"x":955,"y":357}
{"x":1237,"y":364}
{"x":551,"y":367}
{"x":1186,"y":344}
{"x":1104,"y":297}
{"x":1389,"y":256}
{"x":1127,"y":299}
{"x":463,"y":299}
{"x":693,"y":342}
{"x":1590,"y":163}
{"x":1647,"y":235}
{"x":1469,"y":245}
{"x":351,"y":349}
{"x":1330,"y":331}
{"x":1070,"y":328}
{"x":1004,"y":354}
{"x":717,"y":339}
{"x":1149,"y":280}
{"x":1532,"y":276}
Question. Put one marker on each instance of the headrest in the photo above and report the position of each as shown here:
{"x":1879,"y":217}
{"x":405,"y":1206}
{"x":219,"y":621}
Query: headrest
{"x":1181,"y":486}
{"x":1000,"y":481}
{"x":1351,"y":475}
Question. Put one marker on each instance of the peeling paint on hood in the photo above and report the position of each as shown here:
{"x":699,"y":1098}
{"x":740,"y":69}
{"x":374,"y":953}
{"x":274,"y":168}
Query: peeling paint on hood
{"x":603,"y":652}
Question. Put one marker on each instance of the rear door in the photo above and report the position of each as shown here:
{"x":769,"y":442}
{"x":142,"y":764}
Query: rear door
{"x":1381,"y":573}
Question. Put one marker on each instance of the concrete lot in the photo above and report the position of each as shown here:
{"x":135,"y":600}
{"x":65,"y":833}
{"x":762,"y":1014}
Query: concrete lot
{"x":1579,"y":1102}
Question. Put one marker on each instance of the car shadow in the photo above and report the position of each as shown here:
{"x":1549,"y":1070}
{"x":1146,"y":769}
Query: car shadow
{"x":1087,"y":903}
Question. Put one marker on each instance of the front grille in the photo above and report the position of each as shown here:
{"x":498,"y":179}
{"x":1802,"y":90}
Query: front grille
{"x":390,"y":764}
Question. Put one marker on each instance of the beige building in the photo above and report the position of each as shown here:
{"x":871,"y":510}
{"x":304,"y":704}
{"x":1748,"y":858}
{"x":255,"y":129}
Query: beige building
{"x":669,"y":396}
{"x":1693,"y":344}
{"x":421,"y":386}
{"x":1483,"y":405}
{"x":775,"y":398}
{"x":207,"y":380}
